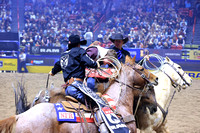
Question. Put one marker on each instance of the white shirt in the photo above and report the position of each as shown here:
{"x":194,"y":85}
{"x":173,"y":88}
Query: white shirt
{"x":88,"y":36}
{"x":22,"y":57}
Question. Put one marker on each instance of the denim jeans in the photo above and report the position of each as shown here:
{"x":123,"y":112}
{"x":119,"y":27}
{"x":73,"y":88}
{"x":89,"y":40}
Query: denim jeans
{"x":91,"y":83}
{"x":75,"y":92}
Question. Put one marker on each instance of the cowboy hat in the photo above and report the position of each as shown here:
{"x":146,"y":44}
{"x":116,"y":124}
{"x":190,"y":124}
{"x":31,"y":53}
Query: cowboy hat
{"x":118,"y":36}
{"x":75,"y":39}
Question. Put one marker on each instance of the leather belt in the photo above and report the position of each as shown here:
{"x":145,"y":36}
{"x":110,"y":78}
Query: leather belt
{"x":72,"y":79}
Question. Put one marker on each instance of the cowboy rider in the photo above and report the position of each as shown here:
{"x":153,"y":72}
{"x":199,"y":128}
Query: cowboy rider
{"x":73,"y":63}
{"x":118,"y":40}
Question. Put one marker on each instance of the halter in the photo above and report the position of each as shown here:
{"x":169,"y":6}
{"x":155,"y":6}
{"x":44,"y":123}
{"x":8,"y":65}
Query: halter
{"x":181,"y":75}
{"x":140,"y":73}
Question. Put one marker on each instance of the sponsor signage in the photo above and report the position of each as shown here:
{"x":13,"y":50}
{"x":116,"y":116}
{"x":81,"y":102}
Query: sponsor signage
{"x":8,"y":64}
{"x":40,"y":61}
{"x":193,"y":74}
{"x":134,"y":52}
{"x":172,"y":54}
{"x":194,"y":55}
{"x":140,"y":53}
{"x":46,"y":50}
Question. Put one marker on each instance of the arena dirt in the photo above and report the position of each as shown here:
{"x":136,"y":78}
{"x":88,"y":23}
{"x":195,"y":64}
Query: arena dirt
{"x":183,"y":117}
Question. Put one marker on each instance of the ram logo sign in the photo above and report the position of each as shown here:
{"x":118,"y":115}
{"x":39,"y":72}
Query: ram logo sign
{"x":49,"y":50}
{"x":46,"y":50}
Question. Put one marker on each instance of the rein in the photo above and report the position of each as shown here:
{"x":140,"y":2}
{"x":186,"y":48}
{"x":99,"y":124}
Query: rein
{"x":174,"y":84}
{"x":134,"y":88}
{"x":47,"y":97}
{"x":182,"y":76}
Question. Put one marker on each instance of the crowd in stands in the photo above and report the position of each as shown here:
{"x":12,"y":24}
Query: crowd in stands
{"x":155,"y":24}
{"x":5,"y":16}
{"x":50,"y":22}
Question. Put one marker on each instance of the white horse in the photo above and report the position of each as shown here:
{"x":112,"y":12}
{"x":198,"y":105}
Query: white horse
{"x":169,"y":74}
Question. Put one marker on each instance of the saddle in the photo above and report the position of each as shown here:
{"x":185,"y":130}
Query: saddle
{"x":72,"y":105}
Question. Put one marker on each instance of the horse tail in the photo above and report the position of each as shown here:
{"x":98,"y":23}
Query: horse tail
{"x":6,"y":125}
{"x":21,"y":102}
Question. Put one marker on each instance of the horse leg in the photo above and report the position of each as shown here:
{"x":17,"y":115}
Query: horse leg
{"x":132,"y":127}
{"x":163,"y":128}
{"x":144,"y":121}
{"x":6,"y":125}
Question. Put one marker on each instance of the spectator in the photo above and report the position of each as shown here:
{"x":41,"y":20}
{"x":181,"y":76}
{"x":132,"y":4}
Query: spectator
{"x":166,"y":46}
{"x":159,"y":46}
{"x":2,"y":54}
{"x":89,"y":37}
{"x":13,"y":54}
{"x":22,"y":62}
{"x":180,"y":41}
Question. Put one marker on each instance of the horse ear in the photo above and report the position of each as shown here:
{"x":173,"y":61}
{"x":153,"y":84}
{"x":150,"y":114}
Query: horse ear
{"x":133,"y":59}
{"x":168,"y":59}
{"x":128,"y":59}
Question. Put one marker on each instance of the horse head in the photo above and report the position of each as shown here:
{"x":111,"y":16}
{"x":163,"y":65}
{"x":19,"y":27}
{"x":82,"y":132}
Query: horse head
{"x":176,"y":73}
{"x":144,"y":80}
{"x":143,"y":76}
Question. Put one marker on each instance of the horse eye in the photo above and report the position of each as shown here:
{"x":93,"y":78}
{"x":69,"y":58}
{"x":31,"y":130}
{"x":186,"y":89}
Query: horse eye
{"x":179,"y":67}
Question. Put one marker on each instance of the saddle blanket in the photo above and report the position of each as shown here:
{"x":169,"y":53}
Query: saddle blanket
{"x":63,"y":115}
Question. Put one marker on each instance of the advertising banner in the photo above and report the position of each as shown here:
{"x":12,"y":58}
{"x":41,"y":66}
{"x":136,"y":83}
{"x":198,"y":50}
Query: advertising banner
{"x":134,"y":52}
{"x":41,"y":50}
{"x":41,"y":61}
{"x":194,"y":55}
{"x":8,"y":64}
{"x":193,"y":74}
{"x":172,"y":54}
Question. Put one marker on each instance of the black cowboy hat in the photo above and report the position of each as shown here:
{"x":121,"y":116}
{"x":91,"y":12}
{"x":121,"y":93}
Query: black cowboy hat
{"x":118,"y":36}
{"x":75,"y":39}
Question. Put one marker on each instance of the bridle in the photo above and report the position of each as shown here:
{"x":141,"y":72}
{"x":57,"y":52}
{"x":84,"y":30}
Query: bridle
{"x":181,"y":75}
{"x":146,"y":78}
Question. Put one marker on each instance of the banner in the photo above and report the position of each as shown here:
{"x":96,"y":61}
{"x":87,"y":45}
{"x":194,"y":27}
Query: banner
{"x":193,"y":74}
{"x":42,"y":50}
{"x":134,"y":52}
{"x":194,"y":55}
{"x":9,"y":46}
{"x":8,"y":64}
{"x":172,"y":54}
{"x":9,"y":36}
{"x":41,"y":61}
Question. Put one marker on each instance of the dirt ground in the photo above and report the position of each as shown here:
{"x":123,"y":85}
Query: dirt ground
{"x":183,"y":117}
